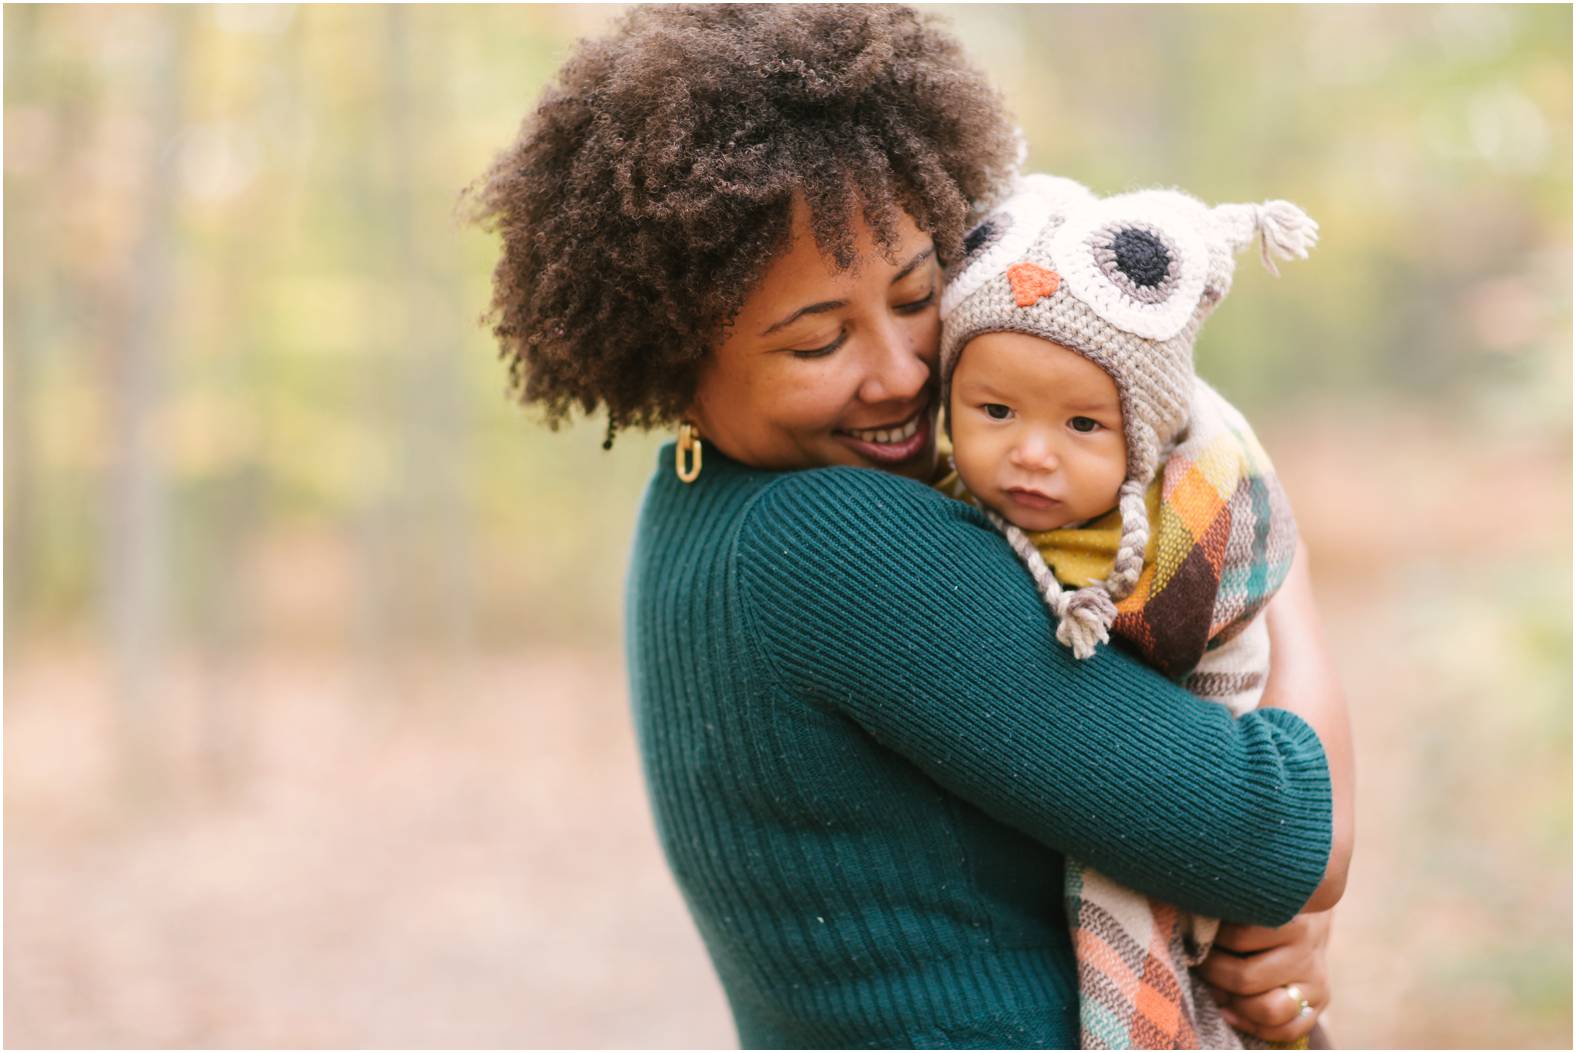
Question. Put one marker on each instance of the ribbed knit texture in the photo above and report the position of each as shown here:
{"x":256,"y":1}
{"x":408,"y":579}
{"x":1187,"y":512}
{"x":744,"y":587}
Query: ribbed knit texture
{"x":866,"y":755}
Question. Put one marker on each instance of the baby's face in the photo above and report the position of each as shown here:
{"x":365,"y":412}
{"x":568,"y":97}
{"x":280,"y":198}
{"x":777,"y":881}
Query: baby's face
{"x":1036,"y":431}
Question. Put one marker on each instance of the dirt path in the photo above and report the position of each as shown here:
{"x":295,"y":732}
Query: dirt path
{"x":478,"y":868}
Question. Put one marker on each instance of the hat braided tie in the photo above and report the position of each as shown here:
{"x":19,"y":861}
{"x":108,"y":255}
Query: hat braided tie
{"x":1135,"y":538}
{"x":1084,"y":616}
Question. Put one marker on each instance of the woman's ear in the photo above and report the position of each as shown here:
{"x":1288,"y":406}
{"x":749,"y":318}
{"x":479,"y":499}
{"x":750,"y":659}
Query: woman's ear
{"x":694,"y":413}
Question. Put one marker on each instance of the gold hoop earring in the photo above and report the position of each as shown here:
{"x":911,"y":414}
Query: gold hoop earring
{"x":686,"y":455}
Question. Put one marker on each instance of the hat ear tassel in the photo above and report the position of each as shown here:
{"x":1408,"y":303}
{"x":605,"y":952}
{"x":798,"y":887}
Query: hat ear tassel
{"x":1284,"y":230}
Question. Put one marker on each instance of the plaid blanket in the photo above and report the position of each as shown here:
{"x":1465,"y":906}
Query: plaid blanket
{"x":1221,"y":542}
{"x":1135,"y":986}
{"x":1222,"y":538}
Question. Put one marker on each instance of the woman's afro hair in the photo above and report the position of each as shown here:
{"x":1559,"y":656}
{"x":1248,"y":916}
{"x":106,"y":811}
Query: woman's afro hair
{"x":648,"y":192}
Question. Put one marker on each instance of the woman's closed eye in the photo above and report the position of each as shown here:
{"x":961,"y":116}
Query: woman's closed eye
{"x":820,"y":352}
{"x":916,"y":306}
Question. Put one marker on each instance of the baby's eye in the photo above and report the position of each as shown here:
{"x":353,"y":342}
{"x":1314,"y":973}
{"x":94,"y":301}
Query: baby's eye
{"x":996,"y":411}
{"x":1084,"y":424}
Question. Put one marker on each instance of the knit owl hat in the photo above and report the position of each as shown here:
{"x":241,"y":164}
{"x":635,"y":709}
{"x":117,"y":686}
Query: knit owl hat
{"x":1125,"y":281}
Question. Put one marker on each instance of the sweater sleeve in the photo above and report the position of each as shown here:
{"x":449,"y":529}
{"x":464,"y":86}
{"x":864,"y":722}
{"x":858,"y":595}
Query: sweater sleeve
{"x":880,"y":599}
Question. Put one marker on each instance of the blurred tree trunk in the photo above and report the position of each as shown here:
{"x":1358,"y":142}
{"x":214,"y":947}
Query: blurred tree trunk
{"x":434,"y":400}
{"x":240,"y":498}
{"x":421,"y":590}
{"x":137,"y":534}
{"x":23,"y":335}
{"x":377,"y":594}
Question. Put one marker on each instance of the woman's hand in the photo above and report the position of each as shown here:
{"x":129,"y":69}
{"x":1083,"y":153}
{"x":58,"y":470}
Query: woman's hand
{"x":1256,"y":975}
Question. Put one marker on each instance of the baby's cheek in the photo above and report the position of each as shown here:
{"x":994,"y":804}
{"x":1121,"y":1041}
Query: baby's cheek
{"x":977,"y":463}
{"x":968,"y":454}
{"x":961,"y":457}
{"x":1114,"y":468}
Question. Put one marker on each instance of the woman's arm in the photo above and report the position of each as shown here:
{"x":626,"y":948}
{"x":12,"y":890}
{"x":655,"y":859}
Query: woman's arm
{"x":877,"y":599}
{"x":1251,"y":967}
{"x":1302,"y":679}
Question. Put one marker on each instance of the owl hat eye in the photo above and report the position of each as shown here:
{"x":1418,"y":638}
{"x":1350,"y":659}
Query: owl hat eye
{"x":1140,"y":261}
{"x":1005,"y":235}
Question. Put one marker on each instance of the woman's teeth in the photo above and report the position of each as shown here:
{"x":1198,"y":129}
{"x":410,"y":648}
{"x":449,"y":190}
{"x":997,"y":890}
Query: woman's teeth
{"x":887,"y":435}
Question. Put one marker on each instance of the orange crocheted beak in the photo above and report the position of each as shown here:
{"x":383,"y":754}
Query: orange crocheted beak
{"x":1031,"y":283}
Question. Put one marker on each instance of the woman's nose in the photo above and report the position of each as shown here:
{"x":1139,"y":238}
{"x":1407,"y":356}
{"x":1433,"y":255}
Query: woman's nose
{"x":898,"y":369}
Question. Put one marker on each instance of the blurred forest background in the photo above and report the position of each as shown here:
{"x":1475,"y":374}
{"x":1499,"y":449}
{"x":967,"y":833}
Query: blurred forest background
{"x":315,"y":723}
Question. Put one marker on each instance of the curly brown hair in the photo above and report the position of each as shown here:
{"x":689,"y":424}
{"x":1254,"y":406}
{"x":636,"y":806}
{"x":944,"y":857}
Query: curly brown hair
{"x":648,"y":192}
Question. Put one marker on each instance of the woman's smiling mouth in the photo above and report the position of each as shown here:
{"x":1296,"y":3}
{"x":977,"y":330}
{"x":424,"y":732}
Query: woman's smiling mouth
{"x":893,"y":443}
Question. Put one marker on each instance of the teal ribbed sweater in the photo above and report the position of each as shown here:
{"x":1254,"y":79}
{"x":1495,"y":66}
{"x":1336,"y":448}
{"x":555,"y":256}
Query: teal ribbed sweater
{"x":866,"y":755}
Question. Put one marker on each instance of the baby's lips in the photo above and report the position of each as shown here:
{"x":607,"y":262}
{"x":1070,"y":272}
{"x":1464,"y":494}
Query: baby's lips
{"x":1034,"y":495}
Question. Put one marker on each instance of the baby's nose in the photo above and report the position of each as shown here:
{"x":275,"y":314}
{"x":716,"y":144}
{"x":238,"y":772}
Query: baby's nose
{"x":1037,"y":451}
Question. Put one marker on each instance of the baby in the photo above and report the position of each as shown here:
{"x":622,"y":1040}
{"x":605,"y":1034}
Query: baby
{"x":1135,"y":495}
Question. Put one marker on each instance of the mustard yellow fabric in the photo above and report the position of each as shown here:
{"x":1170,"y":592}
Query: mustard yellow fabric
{"x":1080,"y":555}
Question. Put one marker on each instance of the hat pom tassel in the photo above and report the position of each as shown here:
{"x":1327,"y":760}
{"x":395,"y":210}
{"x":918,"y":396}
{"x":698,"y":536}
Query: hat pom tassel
{"x":1285,"y":232}
{"x":1085,"y":618}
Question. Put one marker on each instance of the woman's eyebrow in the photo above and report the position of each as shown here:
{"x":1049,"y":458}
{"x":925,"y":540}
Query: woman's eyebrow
{"x":832,"y":305}
{"x":815,"y":308}
{"x":908,"y":268}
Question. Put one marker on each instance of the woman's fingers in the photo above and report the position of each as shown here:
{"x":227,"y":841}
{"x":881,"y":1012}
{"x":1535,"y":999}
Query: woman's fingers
{"x":1282,"y":1005}
{"x":1248,"y":939}
{"x":1277,"y":1016}
{"x":1312,"y":928}
{"x":1285,"y":1033}
{"x":1253,"y":974}
{"x":1261,"y":976}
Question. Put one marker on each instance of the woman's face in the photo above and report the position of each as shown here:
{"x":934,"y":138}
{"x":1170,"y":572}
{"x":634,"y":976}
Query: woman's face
{"x":822,"y":367}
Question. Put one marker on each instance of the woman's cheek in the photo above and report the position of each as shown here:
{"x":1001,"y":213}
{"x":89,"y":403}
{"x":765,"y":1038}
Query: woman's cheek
{"x":818,"y":391}
{"x":927,"y":338}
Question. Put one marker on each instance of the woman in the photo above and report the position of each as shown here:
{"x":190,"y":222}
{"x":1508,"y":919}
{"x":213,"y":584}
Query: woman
{"x":865,"y":754}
